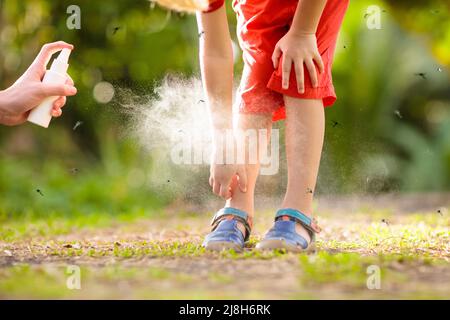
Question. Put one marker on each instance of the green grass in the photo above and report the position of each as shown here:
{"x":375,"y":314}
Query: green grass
{"x":156,"y":253}
{"x":323,"y":275}
{"x":23,"y":280}
{"x":34,"y":226}
{"x":419,"y":235}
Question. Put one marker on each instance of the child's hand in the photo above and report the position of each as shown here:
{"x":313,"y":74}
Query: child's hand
{"x":29,"y":91}
{"x":299,"y":49}
{"x":225,"y":177}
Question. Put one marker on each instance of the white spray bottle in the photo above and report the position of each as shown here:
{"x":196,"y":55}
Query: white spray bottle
{"x":57,"y":74}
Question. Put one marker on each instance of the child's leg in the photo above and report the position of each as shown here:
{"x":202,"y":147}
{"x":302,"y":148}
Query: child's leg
{"x":241,"y":200}
{"x":305,"y":126}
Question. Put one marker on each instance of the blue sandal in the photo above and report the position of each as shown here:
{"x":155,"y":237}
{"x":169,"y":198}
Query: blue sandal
{"x":283,"y":234}
{"x":225,"y":233}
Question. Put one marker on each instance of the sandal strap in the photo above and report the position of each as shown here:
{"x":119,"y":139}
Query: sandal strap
{"x":310,"y":224}
{"x":237,"y":214}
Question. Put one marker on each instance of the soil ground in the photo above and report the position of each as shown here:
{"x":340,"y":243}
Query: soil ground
{"x":403,"y":248}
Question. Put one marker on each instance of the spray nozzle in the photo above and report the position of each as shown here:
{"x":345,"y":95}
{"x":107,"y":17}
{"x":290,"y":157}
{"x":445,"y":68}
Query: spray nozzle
{"x":64,"y":55}
{"x":60,"y":64}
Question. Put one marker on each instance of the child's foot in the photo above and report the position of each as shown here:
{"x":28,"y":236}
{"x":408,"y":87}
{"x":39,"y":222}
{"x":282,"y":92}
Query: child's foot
{"x":292,"y":231}
{"x":227,"y":230}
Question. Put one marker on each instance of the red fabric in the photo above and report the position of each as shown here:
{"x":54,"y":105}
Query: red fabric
{"x":214,"y":5}
{"x":261,"y":23}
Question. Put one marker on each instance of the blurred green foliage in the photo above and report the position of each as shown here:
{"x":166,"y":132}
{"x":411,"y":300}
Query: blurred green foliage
{"x":393,"y":103}
{"x":393,"y":108}
{"x":429,"y":18}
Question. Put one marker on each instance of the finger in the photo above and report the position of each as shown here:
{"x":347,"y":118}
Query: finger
{"x":319,"y":62}
{"x":48,"y":50}
{"x":211,"y":181}
{"x":216,"y":188}
{"x":59,"y":103}
{"x":233,"y":185}
{"x":69,"y":81}
{"x":299,"y":76}
{"x":50,"y":90}
{"x":312,"y":72}
{"x":286,"y":70}
{"x":242,"y":174}
{"x":225,"y":191}
{"x":56,"y":112}
{"x":276,"y":57}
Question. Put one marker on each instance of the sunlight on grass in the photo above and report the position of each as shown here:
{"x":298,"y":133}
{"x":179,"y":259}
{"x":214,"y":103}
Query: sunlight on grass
{"x":131,"y":259}
{"x":30,"y":227}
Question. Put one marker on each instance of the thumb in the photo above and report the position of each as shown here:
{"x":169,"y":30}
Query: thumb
{"x":50,"y":90}
{"x":242,"y":174}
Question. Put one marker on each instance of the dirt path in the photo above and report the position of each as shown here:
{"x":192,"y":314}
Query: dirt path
{"x":162,"y":258}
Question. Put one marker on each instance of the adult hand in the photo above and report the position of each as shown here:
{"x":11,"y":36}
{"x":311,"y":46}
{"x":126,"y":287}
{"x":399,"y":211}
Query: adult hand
{"x":29,"y":91}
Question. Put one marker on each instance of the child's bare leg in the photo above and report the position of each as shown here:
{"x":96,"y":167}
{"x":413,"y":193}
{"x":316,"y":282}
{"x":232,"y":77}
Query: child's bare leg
{"x":239,"y":199}
{"x":305,"y":126}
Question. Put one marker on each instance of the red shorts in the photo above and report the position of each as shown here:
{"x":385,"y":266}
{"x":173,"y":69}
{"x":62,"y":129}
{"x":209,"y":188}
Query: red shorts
{"x":261,"y":23}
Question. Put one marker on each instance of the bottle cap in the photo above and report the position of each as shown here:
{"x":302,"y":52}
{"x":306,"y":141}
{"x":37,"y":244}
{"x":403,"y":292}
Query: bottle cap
{"x":64,"y":55}
{"x":60,"y":64}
